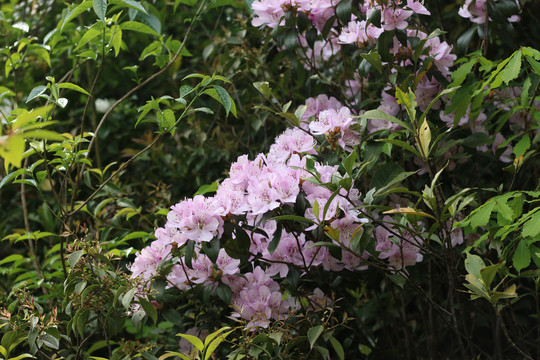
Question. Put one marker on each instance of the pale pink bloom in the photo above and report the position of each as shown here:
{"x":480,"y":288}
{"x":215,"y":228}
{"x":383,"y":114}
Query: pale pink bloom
{"x":292,"y":141}
{"x":418,"y":7}
{"x":227,"y":264}
{"x":147,"y":261}
{"x":403,"y":251}
{"x":287,"y":252}
{"x":440,"y":52}
{"x":357,"y":33}
{"x":201,"y":227}
{"x":320,"y":11}
{"x":395,"y":18}
{"x":259,"y":300}
{"x":262,"y":197}
{"x":475,"y":11}
{"x":178,"y":278}
{"x":268,"y":13}
{"x":318,"y":104}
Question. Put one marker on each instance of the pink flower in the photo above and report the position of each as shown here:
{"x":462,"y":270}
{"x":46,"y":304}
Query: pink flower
{"x":395,"y":18}
{"x":146,"y":262}
{"x":227,"y":264}
{"x":417,"y":7}
{"x":357,"y":33}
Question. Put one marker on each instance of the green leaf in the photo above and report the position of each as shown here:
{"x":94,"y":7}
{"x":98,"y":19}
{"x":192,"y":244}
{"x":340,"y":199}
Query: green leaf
{"x":522,"y":146}
{"x":35,"y":92}
{"x":535,"y":65}
{"x":511,"y":70}
{"x":474,"y":264}
{"x":195,"y":341}
{"x":488,"y":273}
{"x":224,"y":292}
{"x":208,"y":188}
{"x":480,"y":217}
{"x":25,"y":356}
{"x":505,"y":210}
{"x":459,"y":75}
{"x":343,"y":11}
{"x":100,"y":8}
{"x":275,"y":239}
{"x":424,"y":139}
{"x":384,"y":43}
{"x":149,"y":309}
{"x":12,"y":150}
{"x":373,"y":58}
{"x":211,"y":347}
{"x":11,"y":176}
{"x":380,"y":115}
{"x":224,"y":97}
{"x":313,"y":334}
{"x":11,"y":258}
{"x":532,"y":227}
{"x":408,"y":100}
{"x":73,"y":13}
{"x":126,"y":299}
{"x":43,"y":135}
{"x":337,"y":347}
{"x":522,"y":256}
{"x":116,"y":40}
{"x":293,"y":218}
{"x":398,"y":279}
{"x":131,"y":4}
{"x":93,"y":32}
{"x":71,"y":86}
{"x":401,"y":144}
{"x":139,"y":27}
{"x":74,"y":258}
{"x":264,"y":88}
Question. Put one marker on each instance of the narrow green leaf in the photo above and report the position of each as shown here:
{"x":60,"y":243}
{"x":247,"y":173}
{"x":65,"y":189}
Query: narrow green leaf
{"x":211,"y":347}
{"x":337,"y":347}
{"x":73,"y":13}
{"x":193,"y":340}
{"x":43,"y":135}
{"x":380,"y":115}
{"x":11,"y":176}
{"x":71,"y":86}
{"x":313,"y":334}
{"x":149,"y":309}
{"x":126,"y":299}
{"x":139,"y":27}
{"x":293,"y":218}
{"x":93,"y":32}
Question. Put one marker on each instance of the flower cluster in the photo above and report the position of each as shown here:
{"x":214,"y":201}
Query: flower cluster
{"x":254,"y":190}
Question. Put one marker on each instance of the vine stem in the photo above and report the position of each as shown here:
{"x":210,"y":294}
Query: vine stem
{"x":507,"y":335}
{"x":27,"y":226}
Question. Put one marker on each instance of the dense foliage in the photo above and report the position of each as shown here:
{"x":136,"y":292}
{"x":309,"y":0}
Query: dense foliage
{"x":269,"y":179}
